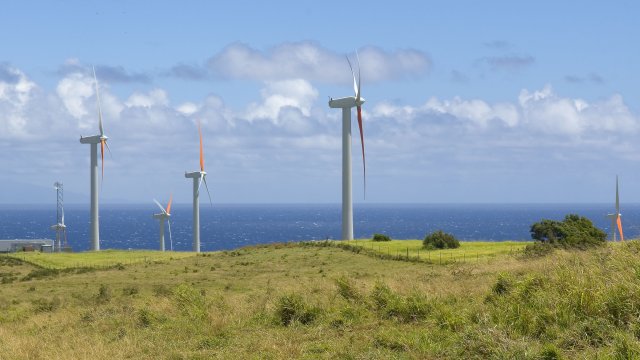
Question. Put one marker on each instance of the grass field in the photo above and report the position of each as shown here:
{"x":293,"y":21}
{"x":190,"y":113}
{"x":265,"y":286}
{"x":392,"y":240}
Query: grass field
{"x":105,"y":258}
{"x":287,"y":301}
{"x":469,"y":251}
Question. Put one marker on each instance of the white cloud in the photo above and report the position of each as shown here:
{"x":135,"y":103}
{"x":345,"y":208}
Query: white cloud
{"x":314,"y":63}
{"x":156,"y":97}
{"x":74,"y":89}
{"x":16,"y":95}
{"x":279,"y":95}
{"x":290,"y":127}
{"x":547,"y":112}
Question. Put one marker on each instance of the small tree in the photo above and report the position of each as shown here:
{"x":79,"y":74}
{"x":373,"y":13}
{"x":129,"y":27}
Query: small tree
{"x":440,"y":240}
{"x":381,"y":237}
{"x":573,"y":232}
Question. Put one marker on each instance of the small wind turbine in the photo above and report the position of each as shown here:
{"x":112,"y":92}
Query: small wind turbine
{"x":616,"y":219}
{"x":162,"y":217}
{"x":346,"y":104}
{"x":94,"y":141}
{"x":198,"y":177}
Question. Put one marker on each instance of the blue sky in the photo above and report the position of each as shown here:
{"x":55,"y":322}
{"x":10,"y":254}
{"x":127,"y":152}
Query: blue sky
{"x":467,"y":101}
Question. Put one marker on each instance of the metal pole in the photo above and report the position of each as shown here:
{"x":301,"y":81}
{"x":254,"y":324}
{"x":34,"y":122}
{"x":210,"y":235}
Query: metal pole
{"x":95,"y":219}
{"x":196,"y":215}
{"x":347,"y":199}
{"x":161,"y":234}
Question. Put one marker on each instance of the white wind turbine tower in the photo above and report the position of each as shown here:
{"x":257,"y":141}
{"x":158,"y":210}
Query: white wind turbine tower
{"x":616,"y":219}
{"x":162,"y":217}
{"x":346,"y":104}
{"x":94,"y":141}
{"x":198,"y":177}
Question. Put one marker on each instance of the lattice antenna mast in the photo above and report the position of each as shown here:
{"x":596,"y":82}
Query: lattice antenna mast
{"x":60,"y":227}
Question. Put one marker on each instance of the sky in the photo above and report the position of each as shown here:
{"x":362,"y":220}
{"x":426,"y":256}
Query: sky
{"x":466,"y":101}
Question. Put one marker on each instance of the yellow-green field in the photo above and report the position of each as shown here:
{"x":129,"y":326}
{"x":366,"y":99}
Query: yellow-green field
{"x":468,"y":251}
{"x":105,"y":258}
{"x":315,"y":301}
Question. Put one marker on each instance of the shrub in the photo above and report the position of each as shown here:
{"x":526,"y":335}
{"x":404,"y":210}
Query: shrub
{"x":440,"y":240}
{"x":381,"y":237}
{"x":347,"y":289}
{"x":573,"y":232}
{"x":104,"y":294}
{"x":292,"y":308}
{"x":191,"y":302}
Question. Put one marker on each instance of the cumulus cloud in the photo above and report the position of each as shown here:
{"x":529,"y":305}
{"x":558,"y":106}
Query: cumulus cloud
{"x":508,"y":62}
{"x":591,"y":78}
{"x":188,"y":72}
{"x":289,"y":125}
{"x":278,"y":95}
{"x":313,"y":62}
{"x":16,"y":96}
{"x":545,"y":111}
{"x":499,"y":45}
{"x":112,"y":74}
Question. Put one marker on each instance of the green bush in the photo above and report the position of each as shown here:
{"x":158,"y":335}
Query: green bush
{"x":292,"y":308}
{"x":573,"y":232}
{"x":381,"y":237}
{"x":440,"y":240}
{"x":191,"y":301}
{"x":347,"y":289}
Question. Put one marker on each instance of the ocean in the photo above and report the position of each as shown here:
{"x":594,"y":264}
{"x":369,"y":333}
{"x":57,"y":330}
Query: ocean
{"x":232,"y":226}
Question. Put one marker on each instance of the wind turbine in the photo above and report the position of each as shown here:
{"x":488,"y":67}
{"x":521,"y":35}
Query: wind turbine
{"x":616,"y":219}
{"x":162,"y":217}
{"x":94,"y":141}
{"x":198,"y":177}
{"x":346,"y":104}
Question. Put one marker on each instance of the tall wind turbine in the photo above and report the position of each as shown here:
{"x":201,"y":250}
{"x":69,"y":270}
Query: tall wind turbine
{"x":94,"y":141}
{"x":346,"y":104}
{"x":162,"y":217}
{"x":616,"y":219}
{"x":198,"y":177}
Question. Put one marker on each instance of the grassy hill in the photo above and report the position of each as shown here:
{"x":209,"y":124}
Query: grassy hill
{"x":322,"y":300}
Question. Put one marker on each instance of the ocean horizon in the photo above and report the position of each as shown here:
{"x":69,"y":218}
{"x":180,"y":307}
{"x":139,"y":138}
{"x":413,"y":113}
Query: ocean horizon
{"x":229,"y":226}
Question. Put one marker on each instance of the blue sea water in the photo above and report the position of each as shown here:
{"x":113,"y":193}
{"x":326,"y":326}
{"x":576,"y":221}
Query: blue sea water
{"x":233,"y":226}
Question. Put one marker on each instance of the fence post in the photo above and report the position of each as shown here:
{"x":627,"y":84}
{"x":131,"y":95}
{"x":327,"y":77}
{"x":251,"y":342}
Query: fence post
{"x":407,"y":253}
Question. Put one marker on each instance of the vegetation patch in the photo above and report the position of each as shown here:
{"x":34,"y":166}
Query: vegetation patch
{"x":440,"y":240}
{"x":292,"y":308}
{"x":574,"y":232}
{"x":381,"y":237}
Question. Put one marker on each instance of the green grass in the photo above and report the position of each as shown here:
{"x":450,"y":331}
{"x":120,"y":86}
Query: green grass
{"x":105,"y":258}
{"x":294,"y":301}
{"x":468,"y":252}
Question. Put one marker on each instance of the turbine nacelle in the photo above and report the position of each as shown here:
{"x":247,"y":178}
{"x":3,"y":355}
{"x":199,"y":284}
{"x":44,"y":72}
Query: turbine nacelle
{"x":195,"y":174}
{"x":95,"y":139}
{"x":346,"y":102}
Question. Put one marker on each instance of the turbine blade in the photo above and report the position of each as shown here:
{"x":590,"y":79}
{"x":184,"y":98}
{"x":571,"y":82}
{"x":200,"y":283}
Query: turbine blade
{"x":108,"y":148}
{"x":160,"y":206}
{"x":355,"y":84}
{"x":207,"y":187}
{"x":617,"y":197}
{"x":199,"y":184}
{"x":170,"y":238}
{"x":102,"y":142}
{"x":98,"y":100}
{"x":169,"y":205}
{"x":619,"y":221}
{"x":364,"y":165}
{"x":201,"y":152}
{"x":359,"y":78}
